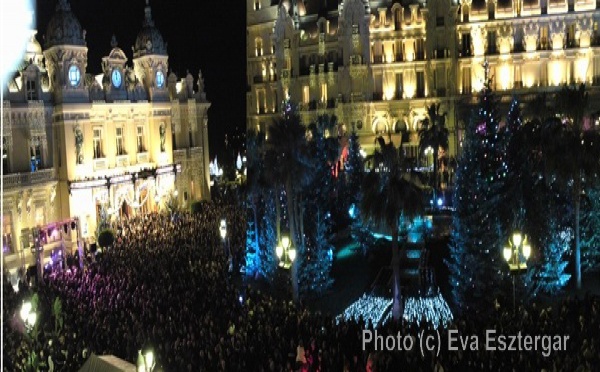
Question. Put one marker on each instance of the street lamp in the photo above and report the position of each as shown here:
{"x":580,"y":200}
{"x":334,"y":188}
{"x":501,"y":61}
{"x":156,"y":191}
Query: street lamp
{"x":223,"y":232}
{"x":285,"y":251}
{"x":516,"y":255}
{"x":145,"y":362}
{"x":29,"y":318}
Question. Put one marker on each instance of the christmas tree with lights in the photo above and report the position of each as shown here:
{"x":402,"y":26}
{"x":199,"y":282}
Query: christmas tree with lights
{"x":476,"y":264}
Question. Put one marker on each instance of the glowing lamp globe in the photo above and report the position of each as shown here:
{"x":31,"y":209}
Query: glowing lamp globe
{"x":507,"y":253}
{"x":292,"y":254}
{"x":149,"y":359}
{"x":526,"y":251}
{"x":25,"y":309}
{"x":516,"y":239}
{"x":31,"y":318}
{"x":285,"y":241}
{"x":279,"y":251}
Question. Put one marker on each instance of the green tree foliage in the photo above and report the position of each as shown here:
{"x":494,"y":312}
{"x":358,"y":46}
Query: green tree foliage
{"x":354,"y":172}
{"x":434,"y":134}
{"x":58,"y":315}
{"x":288,"y":168}
{"x":315,"y":278}
{"x":106,"y":238}
{"x":389,"y":192}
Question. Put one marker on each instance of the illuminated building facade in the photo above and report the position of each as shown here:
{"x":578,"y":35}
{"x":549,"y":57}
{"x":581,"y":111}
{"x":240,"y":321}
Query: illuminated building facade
{"x":376,"y":65}
{"x":78,"y":147}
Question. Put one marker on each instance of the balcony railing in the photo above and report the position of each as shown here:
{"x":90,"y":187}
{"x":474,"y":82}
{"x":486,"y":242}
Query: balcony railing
{"x":196,"y":152}
{"x":122,"y":160}
{"x":28,"y":178}
{"x":179,"y":155}
{"x":263,"y":79}
{"x":142,"y":157}
{"x":100,"y":164}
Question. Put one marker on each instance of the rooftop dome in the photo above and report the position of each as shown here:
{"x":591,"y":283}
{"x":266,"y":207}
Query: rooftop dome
{"x":33,"y":46}
{"x":116,"y":52}
{"x":64,"y":28}
{"x":149,"y":40}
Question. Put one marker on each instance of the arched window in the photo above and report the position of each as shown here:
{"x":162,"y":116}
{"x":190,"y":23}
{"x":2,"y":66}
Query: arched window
{"x":379,"y":126}
{"x":259,"y":47}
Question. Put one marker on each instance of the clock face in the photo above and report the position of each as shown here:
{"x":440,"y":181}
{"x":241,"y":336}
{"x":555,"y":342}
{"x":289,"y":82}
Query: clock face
{"x":74,"y":75}
{"x":116,"y":78}
{"x":160,"y":79}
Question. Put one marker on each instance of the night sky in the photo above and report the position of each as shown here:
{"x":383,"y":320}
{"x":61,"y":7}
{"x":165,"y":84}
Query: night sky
{"x":207,"y":35}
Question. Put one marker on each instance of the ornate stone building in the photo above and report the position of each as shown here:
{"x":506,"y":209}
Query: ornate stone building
{"x":378,"y":64}
{"x":77,"y":147}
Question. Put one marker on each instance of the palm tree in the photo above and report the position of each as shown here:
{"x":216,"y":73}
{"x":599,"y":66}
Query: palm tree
{"x":571,"y":153}
{"x":434,"y":134}
{"x":539,"y":108}
{"x":390,"y":192}
{"x":287,"y":167}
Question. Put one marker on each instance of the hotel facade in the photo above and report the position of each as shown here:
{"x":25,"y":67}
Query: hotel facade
{"x":377,"y":65}
{"x":77,"y":147}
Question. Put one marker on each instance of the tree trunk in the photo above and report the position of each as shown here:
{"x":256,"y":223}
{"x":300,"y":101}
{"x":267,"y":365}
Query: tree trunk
{"x":293,"y":239}
{"x":301,"y":219}
{"x":278,"y":214}
{"x":397,"y":300}
{"x":577,"y":197}
{"x":435,"y":176}
{"x":256,"y":238}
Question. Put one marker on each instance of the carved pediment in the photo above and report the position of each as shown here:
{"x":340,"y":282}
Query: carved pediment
{"x":505,"y":39}
{"x":531,"y":33}
{"x":479,"y":40}
{"x":557,"y":34}
{"x":584,"y":31}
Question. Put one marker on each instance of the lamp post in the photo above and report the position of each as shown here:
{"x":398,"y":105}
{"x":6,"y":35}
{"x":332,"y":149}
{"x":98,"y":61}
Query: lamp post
{"x":285,"y":252}
{"x":29,"y":318}
{"x":516,"y":255}
{"x":223,"y":232}
{"x":145,"y":362}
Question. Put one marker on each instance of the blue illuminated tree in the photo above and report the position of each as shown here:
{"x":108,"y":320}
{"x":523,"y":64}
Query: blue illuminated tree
{"x":475,"y":261}
{"x":319,"y":200}
{"x":571,"y":152}
{"x":590,"y":225}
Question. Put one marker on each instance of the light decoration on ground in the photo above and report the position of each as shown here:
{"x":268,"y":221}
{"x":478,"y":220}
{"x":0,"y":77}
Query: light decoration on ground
{"x":368,"y":307}
{"x":433,"y":310}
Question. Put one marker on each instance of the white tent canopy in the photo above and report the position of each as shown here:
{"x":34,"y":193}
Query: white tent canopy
{"x":106,"y":363}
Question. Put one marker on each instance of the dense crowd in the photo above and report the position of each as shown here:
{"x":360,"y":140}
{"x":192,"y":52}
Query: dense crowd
{"x":165,"y":285}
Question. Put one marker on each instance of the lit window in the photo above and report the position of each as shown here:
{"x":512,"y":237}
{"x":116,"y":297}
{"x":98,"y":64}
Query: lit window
{"x":36,"y":154}
{"x":259,"y":47}
{"x":7,"y":243}
{"x":305,"y":94}
{"x":120,"y":142}
{"x":98,"y":143}
{"x":5,"y":162}
{"x":141,"y":146}
{"x":324,"y":92}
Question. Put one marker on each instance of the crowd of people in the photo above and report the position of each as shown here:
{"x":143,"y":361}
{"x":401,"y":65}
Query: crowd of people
{"x":166,"y":285}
